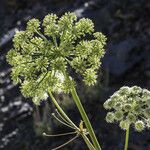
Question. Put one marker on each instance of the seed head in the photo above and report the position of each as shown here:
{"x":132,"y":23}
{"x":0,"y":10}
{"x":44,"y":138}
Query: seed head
{"x":130,"y":106}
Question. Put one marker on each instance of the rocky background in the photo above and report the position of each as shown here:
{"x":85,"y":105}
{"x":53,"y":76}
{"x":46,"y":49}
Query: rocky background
{"x":127,"y":62}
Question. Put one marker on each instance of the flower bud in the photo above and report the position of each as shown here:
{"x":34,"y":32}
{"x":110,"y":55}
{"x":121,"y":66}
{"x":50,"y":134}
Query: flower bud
{"x":127,"y":107}
{"x":119,"y":115}
{"x":118,"y":105}
{"x":124,"y":90}
{"x":33,"y":24}
{"x":136,"y":90}
{"x":106,"y":105}
{"x":110,"y":117}
{"x":146,"y":93}
{"x":124,"y":124}
{"x":115,"y":97}
{"x":139,"y":125}
{"x":131,"y":117}
{"x":109,"y":104}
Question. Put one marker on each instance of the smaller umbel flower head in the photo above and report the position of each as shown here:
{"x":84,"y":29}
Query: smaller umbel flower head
{"x":46,"y":51}
{"x":129,"y":106}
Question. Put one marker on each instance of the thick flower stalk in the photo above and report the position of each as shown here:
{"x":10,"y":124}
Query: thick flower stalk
{"x":129,"y":106}
{"x":46,"y":51}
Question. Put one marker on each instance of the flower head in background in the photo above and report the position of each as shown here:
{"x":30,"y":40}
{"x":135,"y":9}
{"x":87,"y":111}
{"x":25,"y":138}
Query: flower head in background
{"x":129,"y":106}
{"x":43,"y":52}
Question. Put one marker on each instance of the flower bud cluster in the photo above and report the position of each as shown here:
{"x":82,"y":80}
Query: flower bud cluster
{"x":129,"y":106}
{"x":44,"y":53}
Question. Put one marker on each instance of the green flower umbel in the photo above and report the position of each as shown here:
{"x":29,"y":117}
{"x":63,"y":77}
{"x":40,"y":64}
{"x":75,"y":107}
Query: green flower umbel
{"x":129,"y":106}
{"x":43,"y":53}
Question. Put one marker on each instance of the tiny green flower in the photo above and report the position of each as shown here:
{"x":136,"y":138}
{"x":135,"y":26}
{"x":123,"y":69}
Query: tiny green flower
{"x":124,"y":124}
{"x":139,"y":125}
{"x":109,"y":104}
{"x":33,"y":25}
{"x":119,"y":115}
{"x":127,"y":107}
{"x":136,"y":90}
{"x":124,"y":90}
{"x":146,"y":94}
{"x":110,"y":117}
{"x":131,"y":117}
{"x":117,"y":105}
{"x":90,"y":77}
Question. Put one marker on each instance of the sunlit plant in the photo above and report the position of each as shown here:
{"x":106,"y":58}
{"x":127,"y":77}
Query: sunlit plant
{"x":43,"y":57}
{"x":44,"y":53}
{"x":129,"y":106}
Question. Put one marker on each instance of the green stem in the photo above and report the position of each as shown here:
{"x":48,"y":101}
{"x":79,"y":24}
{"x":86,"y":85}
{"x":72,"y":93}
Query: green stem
{"x":62,"y":122}
{"x":66,"y":143}
{"x":55,"y":41}
{"x":41,"y":35}
{"x":61,"y":111}
{"x":57,"y":135}
{"x":127,"y":139}
{"x":89,"y":144}
{"x":85,"y":119}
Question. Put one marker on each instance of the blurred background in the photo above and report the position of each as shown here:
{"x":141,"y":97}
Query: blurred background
{"x":126,"y":23}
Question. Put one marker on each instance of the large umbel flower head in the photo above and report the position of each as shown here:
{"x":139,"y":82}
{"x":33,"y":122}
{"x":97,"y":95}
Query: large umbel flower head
{"x":44,"y":51}
{"x":129,"y":106}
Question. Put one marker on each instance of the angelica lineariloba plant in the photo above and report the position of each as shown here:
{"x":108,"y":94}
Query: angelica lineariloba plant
{"x":129,"y":106}
{"x":43,"y":53}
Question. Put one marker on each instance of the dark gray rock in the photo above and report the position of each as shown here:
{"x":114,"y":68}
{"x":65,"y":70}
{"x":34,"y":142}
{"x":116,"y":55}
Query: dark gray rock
{"x":7,"y":37}
{"x":121,"y":57}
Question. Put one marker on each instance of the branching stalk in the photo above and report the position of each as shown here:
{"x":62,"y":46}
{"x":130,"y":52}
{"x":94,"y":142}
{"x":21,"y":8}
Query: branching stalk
{"x":62,"y":122}
{"x":63,"y":134}
{"x":41,"y":35}
{"x":61,"y":111}
{"x":87,"y":141}
{"x":66,"y":143}
{"x":62,"y":117}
